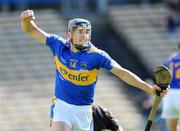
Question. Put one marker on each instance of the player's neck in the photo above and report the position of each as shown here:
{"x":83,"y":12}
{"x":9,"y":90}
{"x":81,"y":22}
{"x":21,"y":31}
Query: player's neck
{"x":73,"y":49}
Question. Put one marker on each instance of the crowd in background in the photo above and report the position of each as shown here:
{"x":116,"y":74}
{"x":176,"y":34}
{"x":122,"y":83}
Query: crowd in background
{"x":172,"y":19}
{"x":70,"y":5}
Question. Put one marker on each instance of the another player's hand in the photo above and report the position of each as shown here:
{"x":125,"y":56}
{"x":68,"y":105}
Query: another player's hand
{"x":162,"y":93}
{"x":27,"y":15}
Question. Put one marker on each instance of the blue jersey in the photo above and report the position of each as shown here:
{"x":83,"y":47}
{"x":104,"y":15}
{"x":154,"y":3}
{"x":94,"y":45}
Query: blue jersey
{"x":173,"y":63}
{"x":76,"y":73}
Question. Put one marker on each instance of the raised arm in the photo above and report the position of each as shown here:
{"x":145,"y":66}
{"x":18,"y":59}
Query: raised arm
{"x":28,"y":25}
{"x":132,"y":79}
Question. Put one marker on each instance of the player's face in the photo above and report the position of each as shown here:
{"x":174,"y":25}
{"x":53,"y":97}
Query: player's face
{"x":81,"y":36}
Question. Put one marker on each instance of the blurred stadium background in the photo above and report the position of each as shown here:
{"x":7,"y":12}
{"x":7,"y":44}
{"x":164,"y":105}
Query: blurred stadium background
{"x":131,"y":31}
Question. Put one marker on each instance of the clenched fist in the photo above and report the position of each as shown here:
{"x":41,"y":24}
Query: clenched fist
{"x":27,"y":21}
{"x":27,"y":15}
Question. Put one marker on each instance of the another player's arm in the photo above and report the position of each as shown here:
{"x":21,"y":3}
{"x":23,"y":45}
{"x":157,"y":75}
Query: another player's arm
{"x":28,"y":25}
{"x":132,"y":79}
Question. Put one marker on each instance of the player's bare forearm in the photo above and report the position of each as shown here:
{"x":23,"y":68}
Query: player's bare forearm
{"x":131,"y":79}
{"x":28,"y":25}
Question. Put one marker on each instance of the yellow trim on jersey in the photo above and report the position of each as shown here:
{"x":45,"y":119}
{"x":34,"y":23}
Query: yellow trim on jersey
{"x":177,"y":74}
{"x":81,"y":78}
{"x":171,"y":67}
{"x":93,"y":49}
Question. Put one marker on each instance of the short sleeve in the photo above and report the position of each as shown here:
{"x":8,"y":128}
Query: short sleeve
{"x":104,"y":60}
{"x":53,"y":42}
{"x":168,"y":62}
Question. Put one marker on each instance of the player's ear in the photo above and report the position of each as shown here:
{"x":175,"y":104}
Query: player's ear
{"x":68,"y":34}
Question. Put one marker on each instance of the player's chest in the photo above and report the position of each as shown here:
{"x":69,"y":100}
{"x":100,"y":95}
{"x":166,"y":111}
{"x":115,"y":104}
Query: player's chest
{"x":76,"y":61}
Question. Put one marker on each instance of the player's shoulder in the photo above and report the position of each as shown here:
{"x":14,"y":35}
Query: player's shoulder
{"x":93,"y":49}
{"x":96,"y":50}
{"x":174,"y":56}
{"x":57,"y":38}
